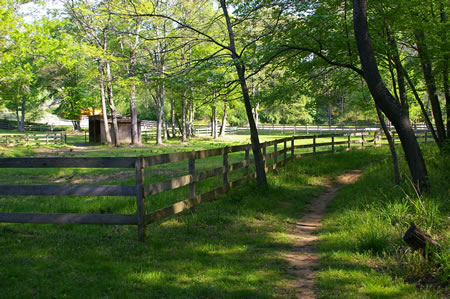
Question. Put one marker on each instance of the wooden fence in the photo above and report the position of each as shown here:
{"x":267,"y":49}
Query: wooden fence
{"x":32,"y":139}
{"x":282,"y":150}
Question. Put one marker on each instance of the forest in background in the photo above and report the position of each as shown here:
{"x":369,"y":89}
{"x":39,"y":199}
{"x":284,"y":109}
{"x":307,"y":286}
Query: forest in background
{"x":168,"y":58}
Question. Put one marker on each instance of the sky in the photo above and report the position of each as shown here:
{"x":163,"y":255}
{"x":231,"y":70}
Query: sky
{"x":33,"y":11}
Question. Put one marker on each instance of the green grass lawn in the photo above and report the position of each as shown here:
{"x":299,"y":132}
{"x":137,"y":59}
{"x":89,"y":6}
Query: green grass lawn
{"x":230,"y":248}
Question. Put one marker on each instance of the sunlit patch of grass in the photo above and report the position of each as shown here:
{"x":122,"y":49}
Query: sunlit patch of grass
{"x":361,"y":241}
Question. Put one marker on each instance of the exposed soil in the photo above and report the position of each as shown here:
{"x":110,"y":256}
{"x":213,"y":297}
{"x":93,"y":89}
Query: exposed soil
{"x":303,"y":258}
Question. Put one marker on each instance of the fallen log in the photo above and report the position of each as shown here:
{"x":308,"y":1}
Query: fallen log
{"x":419,"y":240}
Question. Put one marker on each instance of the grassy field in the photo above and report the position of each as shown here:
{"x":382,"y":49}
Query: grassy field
{"x":230,"y":248}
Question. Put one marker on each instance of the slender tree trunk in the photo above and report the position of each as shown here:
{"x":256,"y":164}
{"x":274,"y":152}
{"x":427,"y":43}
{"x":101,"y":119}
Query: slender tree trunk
{"x":391,"y":146}
{"x":427,"y":70}
{"x":214,"y":122}
{"x":257,"y":114}
{"x":224,"y":120}
{"x":422,"y":107}
{"x":172,"y":116}
{"x":398,"y":68}
{"x":191,"y":119}
{"x":112,"y":107}
{"x":104,"y":110}
{"x":256,"y":147}
{"x":159,"y":116}
{"x":22,"y":116}
{"x":445,"y":69}
{"x":183,"y":117}
{"x":384,"y":99}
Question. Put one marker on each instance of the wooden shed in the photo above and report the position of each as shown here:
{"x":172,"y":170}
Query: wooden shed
{"x":97,"y":134}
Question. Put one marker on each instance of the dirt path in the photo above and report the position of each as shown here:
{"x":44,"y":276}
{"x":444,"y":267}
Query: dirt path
{"x":303,"y":258}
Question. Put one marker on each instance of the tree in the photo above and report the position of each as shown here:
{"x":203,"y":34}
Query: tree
{"x":384,"y":99}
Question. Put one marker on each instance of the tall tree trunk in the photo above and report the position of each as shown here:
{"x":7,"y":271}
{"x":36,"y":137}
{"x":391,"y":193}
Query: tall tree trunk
{"x":391,"y":146}
{"x":103,"y":102}
{"x":214,"y":122}
{"x":191,"y":118}
{"x":172,"y":116}
{"x":384,"y":99}
{"x":427,"y":70}
{"x":224,"y":120}
{"x":183,"y":117}
{"x":112,"y":107}
{"x":419,"y":101}
{"x":240,"y":69}
{"x":445,"y":69}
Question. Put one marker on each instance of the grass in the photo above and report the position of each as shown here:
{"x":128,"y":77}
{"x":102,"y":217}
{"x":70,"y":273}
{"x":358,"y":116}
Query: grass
{"x":362,"y":252}
{"x":230,"y":248}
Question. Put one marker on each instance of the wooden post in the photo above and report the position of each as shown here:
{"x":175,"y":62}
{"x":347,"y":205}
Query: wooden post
{"x":295,"y":127}
{"x":285,"y":149}
{"x":46,"y":139}
{"x":314,"y":143}
{"x":247,"y":159}
{"x":419,"y":240}
{"x":375,"y":138}
{"x":362,"y":139}
{"x":292,"y":146}
{"x":85,"y":137}
{"x":140,"y":198}
{"x":54,"y":138}
{"x":275,"y":157}
{"x":226,"y":179}
{"x":332,"y":143}
{"x":426,"y":137}
{"x":348,"y":142}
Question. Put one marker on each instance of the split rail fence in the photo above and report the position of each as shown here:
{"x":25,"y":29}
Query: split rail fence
{"x":281,"y":151}
{"x":32,"y":139}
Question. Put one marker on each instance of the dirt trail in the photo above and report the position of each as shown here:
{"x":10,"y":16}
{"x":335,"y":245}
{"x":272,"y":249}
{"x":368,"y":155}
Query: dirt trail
{"x":303,"y":258}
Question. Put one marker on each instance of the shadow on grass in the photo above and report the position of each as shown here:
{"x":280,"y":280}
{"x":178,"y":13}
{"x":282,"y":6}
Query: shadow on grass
{"x":224,"y":249}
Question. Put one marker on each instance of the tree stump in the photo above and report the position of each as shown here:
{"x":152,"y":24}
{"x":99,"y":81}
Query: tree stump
{"x":419,"y":240}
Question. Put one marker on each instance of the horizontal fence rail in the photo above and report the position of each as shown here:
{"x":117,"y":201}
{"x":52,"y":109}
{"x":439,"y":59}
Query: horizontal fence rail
{"x":282,"y":151}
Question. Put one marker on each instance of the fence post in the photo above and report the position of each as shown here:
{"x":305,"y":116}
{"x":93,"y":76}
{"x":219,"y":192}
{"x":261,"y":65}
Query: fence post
{"x":46,"y":138}
{"x":426,"y":137}
{"x":192,"y":173}
{"x":307,"y":130}
{"x":348,"y":141}
{"x":292,"y":147}
{"x":85,"y":137}
{"x":275,"y":157}
{"x":226,"y":179}
{"x":54,"y":138}
{"x":362,"y":139}
{"x":332,"y":143}
{"x":375,"y":138}
{"x":140,"y":198}
{"x":314,"y":143}
{"x":285,"y":149}
{"x":247,"y":160}
{"x":295,"y":127}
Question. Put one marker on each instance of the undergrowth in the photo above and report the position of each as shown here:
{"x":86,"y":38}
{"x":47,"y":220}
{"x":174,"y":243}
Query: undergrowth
{"x":362,"y":235}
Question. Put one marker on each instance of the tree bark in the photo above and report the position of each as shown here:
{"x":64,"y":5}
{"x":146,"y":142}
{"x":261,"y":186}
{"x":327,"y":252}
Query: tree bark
{"x":391,"y":146}
{"x":384,"y":99}
{"x":430,"y":82}
{"x":240,"y":69}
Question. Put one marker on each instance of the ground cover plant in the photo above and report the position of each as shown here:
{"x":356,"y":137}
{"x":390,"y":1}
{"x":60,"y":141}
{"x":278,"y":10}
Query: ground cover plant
{"x":227,"y":248}
{"x":363,"y":254}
